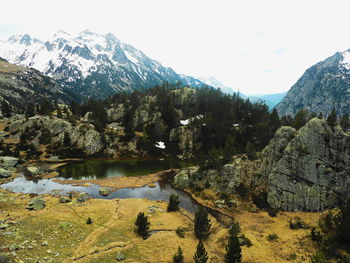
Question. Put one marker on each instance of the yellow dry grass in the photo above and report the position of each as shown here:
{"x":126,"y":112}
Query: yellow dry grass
{"x":64,"y":227}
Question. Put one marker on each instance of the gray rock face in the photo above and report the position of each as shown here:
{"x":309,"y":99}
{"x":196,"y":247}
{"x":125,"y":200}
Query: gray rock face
{"x":182,"y":179}
{"x":322,"y":87}
{"x":65,"y":199}
{"x":309,"y":172}
{"x":83,"y":136}
{"x":120,"y":256}
{"x":7,"y":162}
{"x":83,"y":197}
{"x":186,"y":138}
{"x":36,"y":204}
{"x":4,"y":173}
{"x":116,"y":114}
{"x":105,"y":191}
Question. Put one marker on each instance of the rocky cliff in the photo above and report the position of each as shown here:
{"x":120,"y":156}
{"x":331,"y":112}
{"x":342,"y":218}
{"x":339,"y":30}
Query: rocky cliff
{"x":309,"y":169}
{"x":305,"y":170}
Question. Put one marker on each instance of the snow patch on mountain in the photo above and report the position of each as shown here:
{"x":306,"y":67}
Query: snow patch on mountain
{"x":69,"y":58}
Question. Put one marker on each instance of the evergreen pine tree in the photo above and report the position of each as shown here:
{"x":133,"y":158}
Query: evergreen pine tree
{"x":233,"y":249}
{"x":5,"y":109}
{"x":201,"y":255}
{"x":345,"y":122}
{"x":332,"y":118}
{"x":274,"y":122}
{"x":250,"y":150}
{"x":59,"y":113}
{"x":142,"y":225}
{"x":30,"y":110}
{"x":201,"y":223}
{"x":300,"y":119}
{"x":178,"y":257}
{"x":174,"y":202}
{"x":342,"y":223}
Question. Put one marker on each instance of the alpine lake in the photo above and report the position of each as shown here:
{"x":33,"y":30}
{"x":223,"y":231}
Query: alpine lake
{"x":100,"y":169}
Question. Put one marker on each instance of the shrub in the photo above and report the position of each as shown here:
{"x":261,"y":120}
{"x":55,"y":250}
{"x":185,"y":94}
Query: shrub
{"x":180,"y":232}
{"x":272,"y":237}
{"x":315,"y":235}
{"x":318,"y":257}
{"x":296,"y":223}
{"x":260,"y":200}
{"x":89,"y":221}
{"x":174,"y":202}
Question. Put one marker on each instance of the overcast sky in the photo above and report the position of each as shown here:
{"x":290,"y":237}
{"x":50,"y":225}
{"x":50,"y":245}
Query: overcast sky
{"x":257,"y":47}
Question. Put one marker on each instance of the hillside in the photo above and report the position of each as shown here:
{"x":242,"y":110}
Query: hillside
{"x":20,"y":85}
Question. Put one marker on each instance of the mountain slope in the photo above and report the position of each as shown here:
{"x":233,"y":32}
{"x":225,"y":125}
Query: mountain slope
{"x":213,"y":82}
{"x":90,"y":64}
{"x":322,"y":87}
{"x":20,"y":85}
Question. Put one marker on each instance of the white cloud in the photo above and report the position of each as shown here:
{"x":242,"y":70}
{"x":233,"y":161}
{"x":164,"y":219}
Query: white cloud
{"x":254,"y":46}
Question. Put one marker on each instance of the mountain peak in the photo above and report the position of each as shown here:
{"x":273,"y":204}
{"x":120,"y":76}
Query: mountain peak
{"x":61,"y":34}
{"x":72,"y":59}
{"x":322,"y":87}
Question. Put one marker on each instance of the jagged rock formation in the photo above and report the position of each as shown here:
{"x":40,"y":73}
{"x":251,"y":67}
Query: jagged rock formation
{"x":322,"y":87}
{"x":91,"y":65}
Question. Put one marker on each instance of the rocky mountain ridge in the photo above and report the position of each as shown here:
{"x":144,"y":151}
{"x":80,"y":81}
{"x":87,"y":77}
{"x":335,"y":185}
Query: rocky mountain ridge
{"x":323,"y":87}
{"x":90,"y":65}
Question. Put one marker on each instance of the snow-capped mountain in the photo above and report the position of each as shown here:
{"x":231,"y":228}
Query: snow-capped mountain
{"x":90,"y":64}
{"x":212,"y":81}
{"x":323,"y":87}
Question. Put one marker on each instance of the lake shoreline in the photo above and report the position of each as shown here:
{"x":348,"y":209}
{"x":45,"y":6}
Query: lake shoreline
{"x":116,"y":183}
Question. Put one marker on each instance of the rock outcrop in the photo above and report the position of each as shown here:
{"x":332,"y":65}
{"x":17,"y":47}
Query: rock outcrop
{"x":305,"y":170}
{"x":310,"y":171}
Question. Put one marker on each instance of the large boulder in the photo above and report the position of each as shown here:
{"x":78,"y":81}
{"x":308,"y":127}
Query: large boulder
{"x":36,"y":204}
{"x":8,"y":162}
{"x":83,"y":197}
{"x":4,"y":173}
{"x":105,"y":191}
{"x":34,"y":170}
{"x":182,"y":179}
